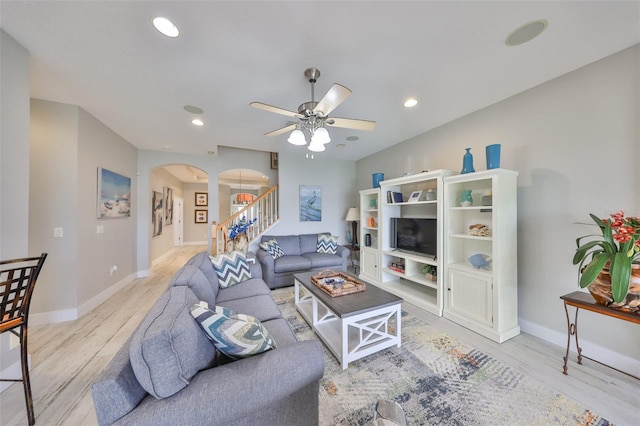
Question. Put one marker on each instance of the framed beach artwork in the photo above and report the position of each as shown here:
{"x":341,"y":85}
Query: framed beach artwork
{"x":156,"y":213}
{"x":168,"y":205}
{"x":114,"y":195}
{"x":310,"y":203}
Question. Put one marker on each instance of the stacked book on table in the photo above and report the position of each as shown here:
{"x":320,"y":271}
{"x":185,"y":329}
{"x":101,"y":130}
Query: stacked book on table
{"x":397,"y":266}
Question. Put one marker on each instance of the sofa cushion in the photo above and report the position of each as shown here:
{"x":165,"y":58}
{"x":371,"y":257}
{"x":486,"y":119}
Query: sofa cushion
{"x":168,"y":348}
{"x":290,"y":244}
{"x":249,"y":288}
{"x":235,"y":335}
{"x":321,"y":260}
{"x":203,"y":262}
{"x":272,"y":248}
{"x":194,"y":278}
{"x":291,"y":264}
{"x":309,"y":242}
{"x":231,"y":268}
{"x":327,"y":244}
{"x":262,"y":307}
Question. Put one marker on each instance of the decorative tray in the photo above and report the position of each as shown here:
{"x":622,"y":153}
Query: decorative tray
{"x":337,"y":283}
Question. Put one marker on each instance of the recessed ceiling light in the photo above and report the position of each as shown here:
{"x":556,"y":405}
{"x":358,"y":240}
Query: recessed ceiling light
{"x":197,"y":122}
{"x":340,"y":145}
{"x":165,"y":27}
{"x":193,"y":109}
{"x":527,"y":32}
{"x":352,"y":138}
{"x":410,"y":103}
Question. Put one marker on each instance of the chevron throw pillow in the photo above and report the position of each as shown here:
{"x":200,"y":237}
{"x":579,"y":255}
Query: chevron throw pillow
{"x":231,"y":268}
{"x":272,"y":248}
{"x":235,"y":335}
{"x":327,"y":244}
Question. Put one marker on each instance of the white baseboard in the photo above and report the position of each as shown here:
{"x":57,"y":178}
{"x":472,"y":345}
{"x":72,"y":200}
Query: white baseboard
{"x":589,"y":348}
{"x":195,"y":243}
{"x":14,"y":371}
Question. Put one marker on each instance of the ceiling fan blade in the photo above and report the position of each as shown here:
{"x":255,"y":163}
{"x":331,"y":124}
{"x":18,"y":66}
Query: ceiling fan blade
{"x":282,"y":130}
{"x":330,"y":101}
{"x":275,"y":109}
{"x":351,"y":123}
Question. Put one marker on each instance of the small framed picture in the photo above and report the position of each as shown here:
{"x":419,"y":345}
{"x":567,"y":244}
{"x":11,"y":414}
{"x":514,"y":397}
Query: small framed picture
{"x":274,"y":161}
{"x":201,"y":216}
{"x":415,"y":197}
{"x":202,"y":199}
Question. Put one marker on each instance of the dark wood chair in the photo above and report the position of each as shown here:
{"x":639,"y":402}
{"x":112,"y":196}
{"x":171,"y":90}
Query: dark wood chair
{"x":17,"y":279}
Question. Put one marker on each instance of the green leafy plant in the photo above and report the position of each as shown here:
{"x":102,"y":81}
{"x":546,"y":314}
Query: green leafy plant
{"x":614,"y":250}
{"x":430,"y":269}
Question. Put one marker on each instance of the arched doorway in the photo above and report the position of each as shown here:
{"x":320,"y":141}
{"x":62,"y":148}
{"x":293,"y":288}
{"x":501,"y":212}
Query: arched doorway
{"x":238,"y":187}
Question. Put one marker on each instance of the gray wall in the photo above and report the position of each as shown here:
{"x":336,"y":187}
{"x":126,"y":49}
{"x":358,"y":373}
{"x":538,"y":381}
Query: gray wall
{"x":575,"y":141}
{"x":14,"y":165}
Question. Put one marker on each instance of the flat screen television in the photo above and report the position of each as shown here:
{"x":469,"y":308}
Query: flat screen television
{"x":415,"y":235}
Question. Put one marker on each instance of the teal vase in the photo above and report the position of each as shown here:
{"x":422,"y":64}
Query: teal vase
{"x":466,"y":199}
{"x":467,"y":162}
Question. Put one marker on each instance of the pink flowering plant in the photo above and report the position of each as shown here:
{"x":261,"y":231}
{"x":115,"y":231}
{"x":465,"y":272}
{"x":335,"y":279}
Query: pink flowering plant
{"x":616,"y":249}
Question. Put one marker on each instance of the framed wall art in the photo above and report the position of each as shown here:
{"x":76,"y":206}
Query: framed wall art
{"x":156,"y":213}
{"x":201,"y":216}
{"x":310,"y":203}
{"x":202,"y":199}
{"x":274,"y":161}
{"x":168,"y":206}
{"x":114,"y":195}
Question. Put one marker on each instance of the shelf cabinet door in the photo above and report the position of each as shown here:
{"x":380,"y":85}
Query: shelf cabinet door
{"x":471,"y":295}
{"x":369,"y":264}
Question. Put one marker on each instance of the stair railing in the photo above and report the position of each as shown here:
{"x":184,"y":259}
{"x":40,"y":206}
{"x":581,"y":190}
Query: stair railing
{"x":263,"y":212}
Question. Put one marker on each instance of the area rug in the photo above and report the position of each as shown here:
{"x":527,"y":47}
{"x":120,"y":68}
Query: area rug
{"x":437,"y":380}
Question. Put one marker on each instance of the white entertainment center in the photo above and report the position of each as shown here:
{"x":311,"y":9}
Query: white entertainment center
{"x":482,"y":299}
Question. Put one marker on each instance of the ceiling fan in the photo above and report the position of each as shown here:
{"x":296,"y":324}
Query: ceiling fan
{"x":314,"y":116}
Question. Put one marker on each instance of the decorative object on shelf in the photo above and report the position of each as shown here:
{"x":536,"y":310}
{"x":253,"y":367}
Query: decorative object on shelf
{"x":479,"y":230}
{"x":353,"y":216}
{"x":480,"y":261}
{"x":493,"y":156}
{"x":431,"y":195}
{"x":367,"y":240}
{"x":467,"y":162}
{"x":466,"y":199}
{"x":431,"y":272}
{"x":377,"y":178}
{"x":602,"y":293}
{"x":414,"y":197}
{"x":373,"y":203}
{"x":371,"y":222}
{"x":614,"y":253}
{"x":487,"y":198}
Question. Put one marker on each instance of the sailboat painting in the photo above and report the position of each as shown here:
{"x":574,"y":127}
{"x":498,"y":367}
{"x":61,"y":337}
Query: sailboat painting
{"x":310,"y":203}
{"x":114,"y":195}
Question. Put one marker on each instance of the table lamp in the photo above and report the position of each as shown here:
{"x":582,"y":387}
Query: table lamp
{"x":353,"y":215}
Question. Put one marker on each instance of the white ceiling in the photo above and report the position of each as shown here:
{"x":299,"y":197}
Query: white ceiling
{"x":106,"y":57}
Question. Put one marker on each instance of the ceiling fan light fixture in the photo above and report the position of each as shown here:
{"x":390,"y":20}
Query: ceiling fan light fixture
{"x":297,"y":138}
{"x":316,"y":146}
{"x":165,"y":27}
{"x":321,"y":135}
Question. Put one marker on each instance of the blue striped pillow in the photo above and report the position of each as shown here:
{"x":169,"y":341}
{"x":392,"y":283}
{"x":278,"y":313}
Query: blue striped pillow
{"x":327,"y":244}
{"x":231,"y":268}
{"x":272,"y":248}
{"x":235,"y":335}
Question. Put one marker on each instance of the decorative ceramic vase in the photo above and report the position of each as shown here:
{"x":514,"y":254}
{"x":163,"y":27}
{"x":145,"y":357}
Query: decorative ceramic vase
{"x":371,"y":222}
{"x":377,"y":177}
{"x":467,"y":162}
{"x":493,"y":156}
{"x":600,"y":290}
{"x":466,"y":200}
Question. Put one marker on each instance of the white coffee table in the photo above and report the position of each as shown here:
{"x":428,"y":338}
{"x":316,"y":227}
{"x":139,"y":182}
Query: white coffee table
{"x":352,"y":326}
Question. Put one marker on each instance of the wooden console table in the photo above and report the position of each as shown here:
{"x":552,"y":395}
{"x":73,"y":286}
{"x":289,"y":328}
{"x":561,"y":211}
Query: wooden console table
{"x":581,"y":300}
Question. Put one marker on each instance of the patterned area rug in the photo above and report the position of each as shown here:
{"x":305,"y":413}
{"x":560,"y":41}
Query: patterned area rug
{"x":437,"y":380}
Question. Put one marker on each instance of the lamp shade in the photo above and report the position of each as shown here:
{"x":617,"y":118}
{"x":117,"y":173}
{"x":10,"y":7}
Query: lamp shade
{"x":316,"y":146}
{"x":321,"y":135}
{"x":353,"y":214}
{"x":297,"y":138}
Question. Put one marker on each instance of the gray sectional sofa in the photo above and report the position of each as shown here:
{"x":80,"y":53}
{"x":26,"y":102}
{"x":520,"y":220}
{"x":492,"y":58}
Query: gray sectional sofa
{"x":169,"y":373}
{"x":300,"y":255}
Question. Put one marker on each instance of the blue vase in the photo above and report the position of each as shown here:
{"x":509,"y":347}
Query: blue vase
{"x":493,"y":156}
{"x":377,"y":177}
{"x":467,"y":162}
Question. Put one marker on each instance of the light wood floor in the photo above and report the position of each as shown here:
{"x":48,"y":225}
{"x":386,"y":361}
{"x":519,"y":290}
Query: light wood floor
{"x":67,"y":357}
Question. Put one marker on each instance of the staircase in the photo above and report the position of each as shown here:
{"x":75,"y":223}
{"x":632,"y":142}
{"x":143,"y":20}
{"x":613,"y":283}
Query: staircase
{"x":262,"y":213}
